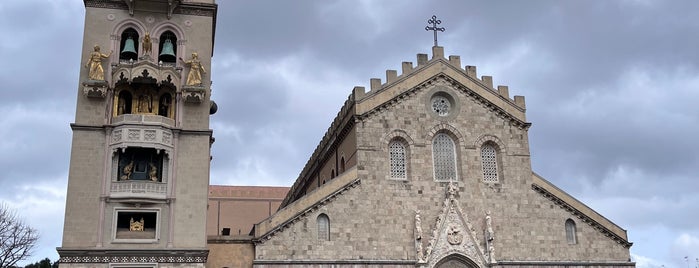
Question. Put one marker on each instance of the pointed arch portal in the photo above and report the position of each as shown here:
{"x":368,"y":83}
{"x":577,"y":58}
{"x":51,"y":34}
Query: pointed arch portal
{"x":456,"y":261}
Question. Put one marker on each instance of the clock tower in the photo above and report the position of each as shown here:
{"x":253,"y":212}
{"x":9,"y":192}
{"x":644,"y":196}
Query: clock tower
{"x":139,"y":164}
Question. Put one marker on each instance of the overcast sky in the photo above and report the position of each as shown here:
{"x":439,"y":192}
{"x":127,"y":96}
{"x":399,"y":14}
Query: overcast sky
{"x":611,"y":86}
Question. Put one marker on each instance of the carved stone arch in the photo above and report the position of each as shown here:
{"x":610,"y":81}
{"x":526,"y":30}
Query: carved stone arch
{"x":168,"y":26}
{"x":397,"y":133}
{"x":491,"y":161}
{"x":448,"y":129}
{"x":129,"y":23}
{"x":456,"y":260}
{"x":488,"y":138}
{"x":450,"y":168}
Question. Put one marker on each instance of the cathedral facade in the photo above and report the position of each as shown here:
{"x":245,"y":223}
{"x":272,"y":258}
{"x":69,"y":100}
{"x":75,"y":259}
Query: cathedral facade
{"x":429,"y":168}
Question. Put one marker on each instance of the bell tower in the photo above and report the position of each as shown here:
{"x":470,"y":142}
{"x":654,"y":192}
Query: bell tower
{"x":139,"y":165}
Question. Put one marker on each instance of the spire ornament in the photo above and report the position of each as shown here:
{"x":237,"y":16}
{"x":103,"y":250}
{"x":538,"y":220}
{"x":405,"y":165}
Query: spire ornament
{"x":434,"y":21}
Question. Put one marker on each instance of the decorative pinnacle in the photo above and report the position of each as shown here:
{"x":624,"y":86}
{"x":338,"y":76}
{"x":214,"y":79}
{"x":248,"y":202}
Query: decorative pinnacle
{"x":434,"y":21}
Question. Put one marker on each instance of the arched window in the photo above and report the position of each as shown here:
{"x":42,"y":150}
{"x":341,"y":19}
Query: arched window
{"x":168,"y":47}
{"x":489,"y":161}
{"x":323,"y":223}
{"x":571,"y":232}
{"x":444,"y":158}
{"x":332,"y":174}
{"x":128,"y":49}
{"x":342,"y":164}
{"x":397,"y":160}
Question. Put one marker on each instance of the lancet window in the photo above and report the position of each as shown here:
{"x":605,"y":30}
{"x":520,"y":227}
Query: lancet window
{"x":444,"y":158}
{"x":571,"y":232}
{"x":323,"y":223}
{"x":397,"y":160}
{"x":489,"y":161}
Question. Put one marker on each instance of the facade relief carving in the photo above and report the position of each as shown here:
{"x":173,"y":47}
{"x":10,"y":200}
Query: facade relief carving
{"x":452,"y":234}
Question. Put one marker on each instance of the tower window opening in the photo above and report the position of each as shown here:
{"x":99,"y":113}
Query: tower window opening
{"x":168,"y":47}
{"x":128,"y":49}
{"x":136,"y":224}
{"x":143,"y":164}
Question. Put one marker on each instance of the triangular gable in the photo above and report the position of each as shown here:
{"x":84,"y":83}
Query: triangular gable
{"x":453,"y":234}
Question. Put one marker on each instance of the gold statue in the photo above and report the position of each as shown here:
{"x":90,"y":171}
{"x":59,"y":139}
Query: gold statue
{"x":147,"y":44}
{"x":95,"y":64}
{"x":136,"y":225}
{"x":195,"y":70}
{"x":153,"y":174}
{"x":145,"y":106}
{"x":128,"y":169}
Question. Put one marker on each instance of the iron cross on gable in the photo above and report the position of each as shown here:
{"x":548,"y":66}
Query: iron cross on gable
{"x":434,"y":21}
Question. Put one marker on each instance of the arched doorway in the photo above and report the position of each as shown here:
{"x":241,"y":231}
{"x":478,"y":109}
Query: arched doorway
{"x":456,"y":261}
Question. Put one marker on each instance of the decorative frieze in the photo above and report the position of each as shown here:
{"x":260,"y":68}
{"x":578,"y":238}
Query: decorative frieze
{"x":95,"y":89}
{"x":144,"y":136}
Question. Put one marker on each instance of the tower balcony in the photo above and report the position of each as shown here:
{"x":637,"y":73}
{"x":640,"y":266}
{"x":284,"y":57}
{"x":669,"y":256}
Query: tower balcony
{"x":140,"y":190}
{"x":146,"y":136}
{"x":143,"y":119}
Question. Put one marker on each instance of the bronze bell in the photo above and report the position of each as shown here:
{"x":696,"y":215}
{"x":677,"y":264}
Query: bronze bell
{"x":129,"y":51}
{"x":168,"y":52}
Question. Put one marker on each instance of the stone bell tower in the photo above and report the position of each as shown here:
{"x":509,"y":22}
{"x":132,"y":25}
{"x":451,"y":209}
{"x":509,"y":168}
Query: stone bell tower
{"x":139,"y":165}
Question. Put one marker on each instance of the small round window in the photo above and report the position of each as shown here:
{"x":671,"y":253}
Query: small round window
{"x":441,"y":105}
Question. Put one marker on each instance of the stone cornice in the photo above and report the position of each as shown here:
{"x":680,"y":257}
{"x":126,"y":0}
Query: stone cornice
{"x":185,"y":8}
{"x":584,"y":216}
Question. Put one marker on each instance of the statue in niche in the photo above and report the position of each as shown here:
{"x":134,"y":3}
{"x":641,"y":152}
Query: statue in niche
{"x":94,"y":63}
{"x":153,"y":173}
{"x":127,"y":171}
{"x":136,"y":225}
{"x":121,"y":106}
{"x":195,"y":70}
{"x":145,"y":105}
{"x":164,"y":106}
{"x":489,"y":227}
{"x":147,"y":44}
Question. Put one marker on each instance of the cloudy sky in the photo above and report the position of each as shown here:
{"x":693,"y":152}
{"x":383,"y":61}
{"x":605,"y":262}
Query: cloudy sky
{"x":612,"y":89}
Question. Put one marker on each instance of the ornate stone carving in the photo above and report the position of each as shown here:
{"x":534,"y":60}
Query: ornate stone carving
{"x":489,"y":237}
{"x":192,"y":94}
{"x":452,"y":234}
{"x":95,"y":89}
{"x":418,"y":237}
